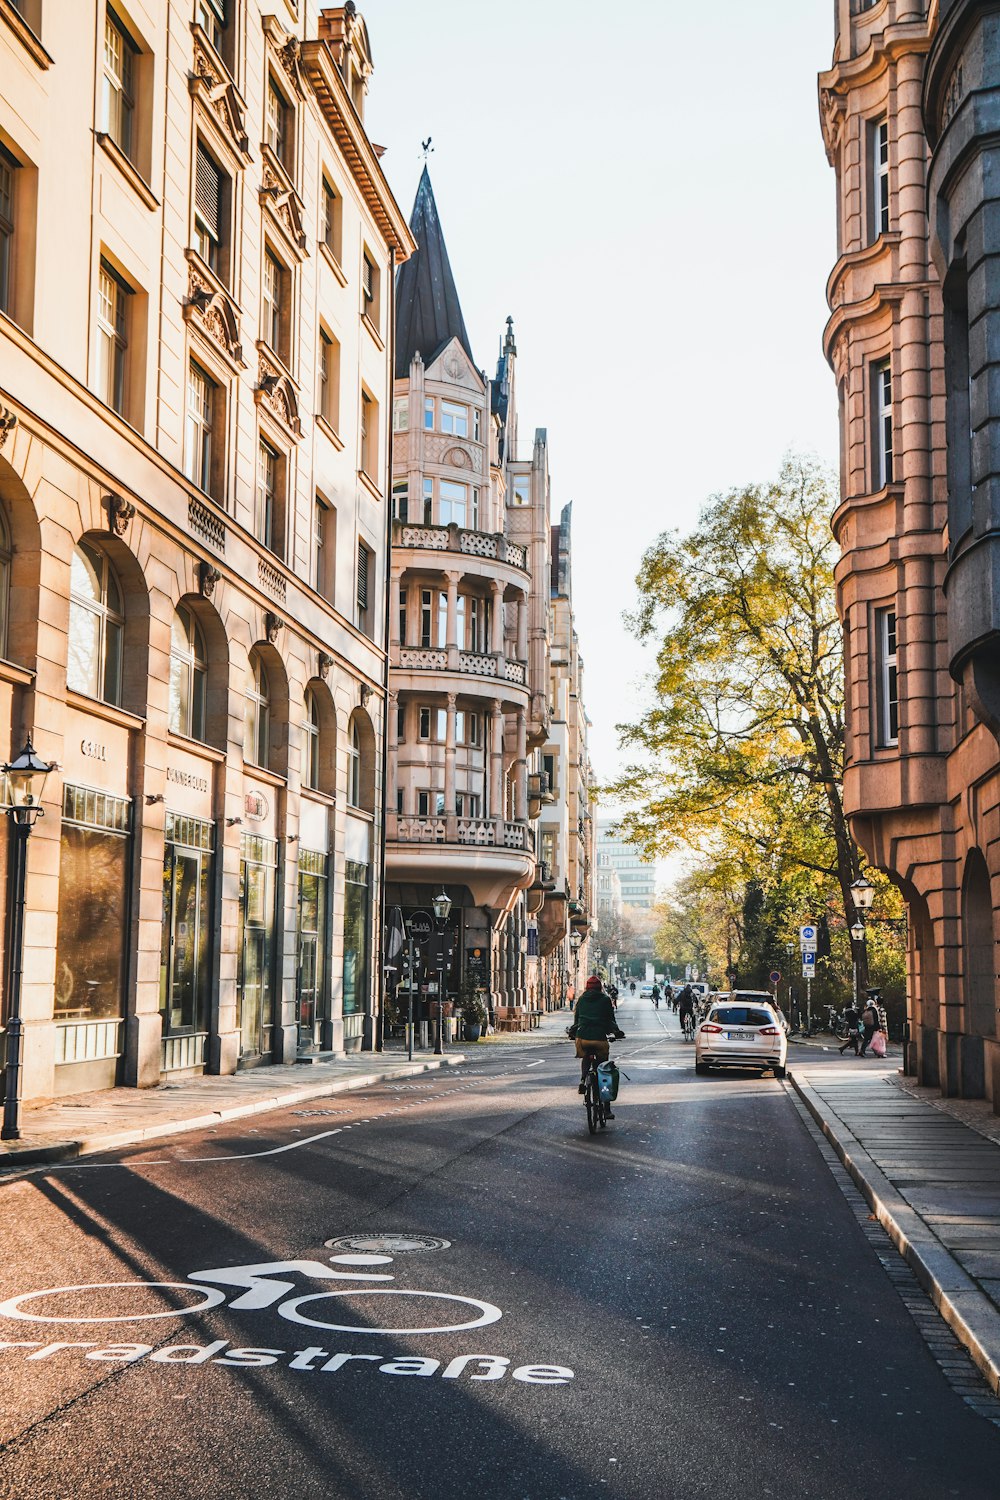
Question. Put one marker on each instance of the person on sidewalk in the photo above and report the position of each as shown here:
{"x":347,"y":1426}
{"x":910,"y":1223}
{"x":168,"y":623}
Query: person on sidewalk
{"x":852,"y":1020}
{"x":870,"y":1022}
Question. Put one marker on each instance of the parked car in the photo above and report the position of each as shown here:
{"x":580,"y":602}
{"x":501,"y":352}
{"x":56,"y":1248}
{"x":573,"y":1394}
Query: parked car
{"x":741,"y":1030}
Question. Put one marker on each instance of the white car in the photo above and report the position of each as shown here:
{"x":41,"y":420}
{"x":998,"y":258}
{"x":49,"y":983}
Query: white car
{"x":741,"y":1030}
{"x":645,"y":991}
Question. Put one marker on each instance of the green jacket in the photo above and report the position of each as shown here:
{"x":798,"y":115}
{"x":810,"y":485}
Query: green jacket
{"x":594,"y":1016}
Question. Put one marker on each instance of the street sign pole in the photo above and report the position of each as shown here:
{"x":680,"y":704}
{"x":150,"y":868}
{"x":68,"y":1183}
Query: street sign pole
{"x":809,"y":1004}
{"x":409,"y":1001}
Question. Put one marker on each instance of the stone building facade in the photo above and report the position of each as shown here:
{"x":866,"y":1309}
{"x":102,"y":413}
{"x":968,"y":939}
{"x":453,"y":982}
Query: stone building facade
{"x":470,"y":642}
{"x":907,"y":112}
{"x":197,"y":250}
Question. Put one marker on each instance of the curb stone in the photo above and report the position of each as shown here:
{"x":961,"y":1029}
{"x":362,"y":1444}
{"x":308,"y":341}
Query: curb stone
{"x":13,"y":1159}
{"x":964,"y":1307}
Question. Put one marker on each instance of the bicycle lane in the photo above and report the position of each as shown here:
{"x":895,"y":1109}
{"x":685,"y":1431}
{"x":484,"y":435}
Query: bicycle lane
{"x":604,"y":1257}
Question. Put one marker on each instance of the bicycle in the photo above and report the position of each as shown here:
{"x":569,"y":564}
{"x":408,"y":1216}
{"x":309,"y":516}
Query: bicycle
{"x":687,"y":1026}
{"x":598,"y":1110}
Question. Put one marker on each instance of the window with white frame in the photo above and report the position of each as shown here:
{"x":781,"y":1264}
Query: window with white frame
{"x":269,"y":496}
{"x":442,"y":621}
{"x":454,"y":419}
{"x":887,"y":686}
{"x":325,"y":524}
{"x":476,"y":424}
{"x":329,"y":378}
{"x":404,"y":595}
{"x":400,"y":724}
{"x":211,"y":17}
{"x":118,"y":87}
{"x":332,"y":218}
{"x":400,"y":414}
{"x":468,"y":804}
{"x":473,"y":730}
{"x":278,"y":124}
{"x":522,"y":490}
{"x":423,"y":804}
{"x":881,"y":382}
{"x":96,"y":626}
{"x":400,"y":492}
{"x":112,"y":337}
{"x":429,"y":413}
{"x":369,"y":435}
{"x":365,"y":599}
{"x":878,"y":145}
{"x":371,"y":284}
{"x":426,"y":619}
{"x":274,"y":289}
{"x":453,"y":502}
{"x":199,"y":421}
{"x":354,"y":767}
{"x":424,"y":724}
{"x":8,"y":170}
{"x":257,"y":722}
{"x":188,"y":675}
{"x":310,"y":727}
{"x":428,"y":516}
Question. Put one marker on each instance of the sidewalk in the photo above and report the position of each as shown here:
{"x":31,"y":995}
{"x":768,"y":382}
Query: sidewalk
{"x":930,"y":1169}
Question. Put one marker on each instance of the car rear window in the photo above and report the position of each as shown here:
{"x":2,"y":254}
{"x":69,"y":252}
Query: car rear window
{"x":741,"y":1015}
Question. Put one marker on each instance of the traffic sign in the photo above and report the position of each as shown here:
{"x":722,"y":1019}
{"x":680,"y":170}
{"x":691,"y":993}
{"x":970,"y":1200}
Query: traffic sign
{"x":775,"y":977}
{"x":807,"y":937}
{"x":808,"y":966}
{"x":420,"y":925}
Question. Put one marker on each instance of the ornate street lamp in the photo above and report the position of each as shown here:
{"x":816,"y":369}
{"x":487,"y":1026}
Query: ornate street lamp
{"x":863,"y":894}
{"x":442,"y":910}
{"x":23,"y":781}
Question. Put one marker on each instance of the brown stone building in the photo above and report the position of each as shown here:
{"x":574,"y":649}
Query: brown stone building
{"x":197,"y":250}
{"x":907,"y":111}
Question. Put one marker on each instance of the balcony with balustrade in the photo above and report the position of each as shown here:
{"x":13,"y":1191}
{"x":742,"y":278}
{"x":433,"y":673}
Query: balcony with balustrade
{"x":492,"y":856}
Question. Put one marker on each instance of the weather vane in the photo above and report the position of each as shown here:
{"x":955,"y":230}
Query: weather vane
{"x":426,"y":147}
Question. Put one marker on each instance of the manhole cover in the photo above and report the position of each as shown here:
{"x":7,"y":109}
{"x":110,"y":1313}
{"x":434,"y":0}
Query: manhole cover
{"x":391,"y":1244}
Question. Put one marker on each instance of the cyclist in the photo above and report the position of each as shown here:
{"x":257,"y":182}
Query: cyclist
{"x":631,"y":987}
{"x":685,"y":1007}
{"x":593,"y":1022}
{"x":655,"y":996}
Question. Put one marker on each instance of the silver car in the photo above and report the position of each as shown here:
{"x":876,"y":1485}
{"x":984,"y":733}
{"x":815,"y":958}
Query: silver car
{"x":741,"y":1030}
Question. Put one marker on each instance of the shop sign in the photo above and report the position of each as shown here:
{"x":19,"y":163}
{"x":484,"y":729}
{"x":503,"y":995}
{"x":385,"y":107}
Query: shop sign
{"x":256,"y":806}
{"x":95,"y":752}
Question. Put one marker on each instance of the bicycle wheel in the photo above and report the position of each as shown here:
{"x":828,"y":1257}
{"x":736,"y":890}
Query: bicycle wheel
{"x":592,"y":1100}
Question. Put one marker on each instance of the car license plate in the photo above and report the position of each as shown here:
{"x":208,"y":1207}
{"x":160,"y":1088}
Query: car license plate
{"x":741,"y":1036}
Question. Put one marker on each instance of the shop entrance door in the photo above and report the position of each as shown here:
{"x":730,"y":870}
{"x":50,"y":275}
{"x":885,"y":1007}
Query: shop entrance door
{"x":185,"y":942}
{"x":257,"y":869}
{"x":311,"y":971}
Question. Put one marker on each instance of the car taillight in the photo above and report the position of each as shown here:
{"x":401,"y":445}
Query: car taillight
{"x":706,"y":1027}
{"x":769,"y":1031}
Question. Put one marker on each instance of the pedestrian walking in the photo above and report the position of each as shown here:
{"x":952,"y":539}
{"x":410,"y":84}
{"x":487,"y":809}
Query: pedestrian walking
{"x":870,"y":1022}
{"x":852,"y":1020}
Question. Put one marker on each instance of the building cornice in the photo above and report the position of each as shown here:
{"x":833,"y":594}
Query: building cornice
{"x":853,"y":260}
{"x":885,"y":48}
{"x":882,"y":298}
{"x":335,"y":104}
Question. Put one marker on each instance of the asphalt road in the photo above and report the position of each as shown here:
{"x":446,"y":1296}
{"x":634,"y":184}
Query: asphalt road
{"x":681,"y":1306}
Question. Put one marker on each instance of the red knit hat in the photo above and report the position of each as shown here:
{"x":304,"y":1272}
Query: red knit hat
{"x":593,"y":983}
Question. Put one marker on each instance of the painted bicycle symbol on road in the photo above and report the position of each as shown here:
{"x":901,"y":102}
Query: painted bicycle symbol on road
{"x":264,"y":1285}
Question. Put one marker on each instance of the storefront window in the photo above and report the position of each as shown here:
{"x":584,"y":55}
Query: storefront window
{"x":258,"y":862}
{"x":96,"y":627}
{"x":311,"y":977}
{"x":356,"y":902}
{"x":93,"y":906}
{"x":187,"y":905}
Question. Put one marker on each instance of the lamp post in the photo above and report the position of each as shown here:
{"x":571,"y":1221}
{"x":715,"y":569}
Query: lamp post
{"x":574,"y":941}
{"x":23,"y":783}
{"x":442,"y":910}
{"x":862,"y":894}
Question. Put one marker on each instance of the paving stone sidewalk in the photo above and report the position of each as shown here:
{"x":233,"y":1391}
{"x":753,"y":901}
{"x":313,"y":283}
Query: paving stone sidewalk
{"x":931,"y":1174}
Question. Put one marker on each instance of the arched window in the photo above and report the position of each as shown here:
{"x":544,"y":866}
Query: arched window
{"x":311,"y":762}
{"x":96,"y":626}
{"x":354,"y":767}
{"x":257,"y":734}
{"x":188,"y":675}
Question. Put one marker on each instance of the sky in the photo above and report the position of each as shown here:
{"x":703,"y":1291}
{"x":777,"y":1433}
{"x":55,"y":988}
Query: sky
{"x":645,"y":191}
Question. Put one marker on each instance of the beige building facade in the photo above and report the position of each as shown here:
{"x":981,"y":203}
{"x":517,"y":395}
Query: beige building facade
{"x":911,"y":339}
{"x":197,"y":254}
{"x":471,"y":635}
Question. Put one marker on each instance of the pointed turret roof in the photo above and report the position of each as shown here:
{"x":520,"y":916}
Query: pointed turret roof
{"x":428,"y":312}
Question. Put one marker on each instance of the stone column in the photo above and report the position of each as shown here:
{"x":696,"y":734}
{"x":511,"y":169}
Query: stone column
{"x":451,"y":625}
{"x":449,"y":760}
{"x":496,"y":760}
{"x":521,"y":772}
{"x":497,"y":644}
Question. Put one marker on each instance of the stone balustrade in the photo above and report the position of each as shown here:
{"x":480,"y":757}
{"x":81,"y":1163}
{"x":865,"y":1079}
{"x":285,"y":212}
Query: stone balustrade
{"x":461,"y":539}
{"x":492,"y":833}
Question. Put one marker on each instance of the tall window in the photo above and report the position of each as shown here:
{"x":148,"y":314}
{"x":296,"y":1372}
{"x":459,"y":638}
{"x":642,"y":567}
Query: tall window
{"x":96,"y":626}
{"x":8,"y":166}
{"x":404,"y":595}
{"x":454,"y":419}
{"x":878,"y":138}
{"x":331,"y":218}
{"x":354,"y":767}
{"x":369,"y":289}
{"x":426,"y":618}
{"x":198,"y":424}
{"x":329,"y":378}
{"x":452,"y":502}
{"x":112,"y":341}
{"x":120,"y":53}
{"x":310,"y":727}
{"x":400,"y":414}
{"x":369,"y":435}
{"x":211,"y":17}
{"x":326,"y":549}
{"x":208,"y":200}
{"x":257,"y":724}
{"x":887,"y":687}
{"x":882,"y":424}
{"x":429,"y":413}
{"x":365,"y":601}
{"x":400,"y":491}
{"x":273,"y":292}
{"x":268,"y":481}
{"x":278,"y":125}
{"x":188,"y":675}
{"x":6,"y":553}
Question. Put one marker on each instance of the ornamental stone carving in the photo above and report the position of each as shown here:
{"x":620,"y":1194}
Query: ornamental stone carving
{"x":212,"y":311}
{"x":208,"y":577}
{"x":458,"y":458}
{"x":275,"y":391}
{"x":323,"y":665}
{"x":833,"y":116}
{"x":285,"y":48}
{"x":8,"y":421}
{"x":209,"y":82}
{"x":272,"y":626}
{"x":284,"y":204}
{"x":120,"y":513}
